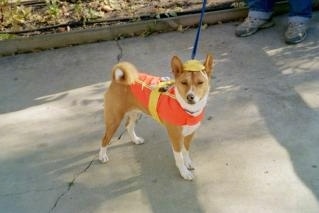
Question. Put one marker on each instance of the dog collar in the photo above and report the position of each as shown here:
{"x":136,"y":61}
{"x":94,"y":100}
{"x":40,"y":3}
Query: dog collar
{"x":191,"y":112}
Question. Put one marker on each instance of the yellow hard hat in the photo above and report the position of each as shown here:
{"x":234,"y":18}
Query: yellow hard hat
{"x":193,"y":65}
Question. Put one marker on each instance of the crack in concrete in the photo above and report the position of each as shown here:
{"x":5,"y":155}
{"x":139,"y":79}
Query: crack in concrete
{"x":120,"y":55}
{"x":70,"y":184}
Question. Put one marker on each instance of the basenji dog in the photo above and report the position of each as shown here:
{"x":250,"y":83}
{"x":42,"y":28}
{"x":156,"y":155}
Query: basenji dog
{"x":177,"y":104}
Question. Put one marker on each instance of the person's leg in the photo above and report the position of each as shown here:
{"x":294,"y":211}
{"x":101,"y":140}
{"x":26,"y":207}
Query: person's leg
{"x":300,"y":9}
{"x":259,"y":17}
{"x":298,"y":20}
{"x":261,"y":9}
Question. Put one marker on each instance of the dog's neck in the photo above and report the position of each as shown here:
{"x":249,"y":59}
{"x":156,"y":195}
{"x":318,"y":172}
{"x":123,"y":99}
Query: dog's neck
{"x":192,"y":109}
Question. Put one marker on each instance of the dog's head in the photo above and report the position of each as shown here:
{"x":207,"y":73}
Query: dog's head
{"x":192,"y":79}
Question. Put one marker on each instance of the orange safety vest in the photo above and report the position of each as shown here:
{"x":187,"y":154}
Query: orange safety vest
{"x":167,"y":107}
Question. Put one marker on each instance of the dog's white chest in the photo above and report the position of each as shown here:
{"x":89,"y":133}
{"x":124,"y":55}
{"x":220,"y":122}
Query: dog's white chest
{"x":187,"y":130}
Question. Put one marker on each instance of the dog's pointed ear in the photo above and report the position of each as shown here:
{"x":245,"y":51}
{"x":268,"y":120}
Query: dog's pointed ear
{"x":177,"y":66}
{"x":209,"y":64}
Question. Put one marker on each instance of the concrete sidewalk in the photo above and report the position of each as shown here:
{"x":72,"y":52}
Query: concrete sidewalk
{"x":256,"y":152}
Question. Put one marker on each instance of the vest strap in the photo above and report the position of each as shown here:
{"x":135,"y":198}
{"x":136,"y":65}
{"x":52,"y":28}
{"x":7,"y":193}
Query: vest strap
{"x":154,"y":97}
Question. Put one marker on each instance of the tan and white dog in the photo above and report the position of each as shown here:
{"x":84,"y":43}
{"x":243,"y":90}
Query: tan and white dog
{"x":179,"y":107}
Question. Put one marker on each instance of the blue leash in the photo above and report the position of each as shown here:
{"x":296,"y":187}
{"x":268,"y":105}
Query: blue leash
{"x":199,"y":29}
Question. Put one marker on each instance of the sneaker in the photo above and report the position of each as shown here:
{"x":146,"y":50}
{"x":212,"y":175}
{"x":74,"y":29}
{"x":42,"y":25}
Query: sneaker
{"x":296,"y":32}
{"x":252,"y":25}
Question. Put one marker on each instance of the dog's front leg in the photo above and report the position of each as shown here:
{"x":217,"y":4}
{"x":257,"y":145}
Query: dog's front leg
{"x":187,"y":159}
{"x":176,"y":137}
{"x":185,"y":173}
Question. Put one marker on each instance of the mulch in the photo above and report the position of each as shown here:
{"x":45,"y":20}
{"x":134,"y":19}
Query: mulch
{"x":31,"y":17}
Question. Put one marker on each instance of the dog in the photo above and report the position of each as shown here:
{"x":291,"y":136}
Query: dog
{"x":178,"y":105}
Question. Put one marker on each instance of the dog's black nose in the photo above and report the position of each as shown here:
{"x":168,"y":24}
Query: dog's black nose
{"x":190,"y":97}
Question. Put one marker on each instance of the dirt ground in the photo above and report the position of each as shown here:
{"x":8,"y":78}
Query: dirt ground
{"x":29,"y":17}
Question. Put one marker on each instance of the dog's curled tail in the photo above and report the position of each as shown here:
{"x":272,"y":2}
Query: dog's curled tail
{"x":124,"y":73}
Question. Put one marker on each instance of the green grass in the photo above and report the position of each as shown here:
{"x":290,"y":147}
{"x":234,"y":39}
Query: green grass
{"x":5,"y":36}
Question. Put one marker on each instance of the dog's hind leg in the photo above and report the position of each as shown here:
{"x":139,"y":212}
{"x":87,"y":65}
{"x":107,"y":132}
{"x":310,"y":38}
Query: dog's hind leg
{"x":132,"y":118}
{"x":112,"y":122}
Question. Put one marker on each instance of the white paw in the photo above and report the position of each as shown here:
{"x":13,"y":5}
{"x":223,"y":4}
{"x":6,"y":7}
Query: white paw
{"x":138,"y":140}
{"x":185,"y":173}
{"x":187,"y":160}
{"x":188,"y":163}
{"x":103,"y":156}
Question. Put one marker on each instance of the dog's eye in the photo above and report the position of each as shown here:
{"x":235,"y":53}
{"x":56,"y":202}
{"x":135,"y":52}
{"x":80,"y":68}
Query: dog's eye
{"x":200,"y":82}
{"x":184,"y":83}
